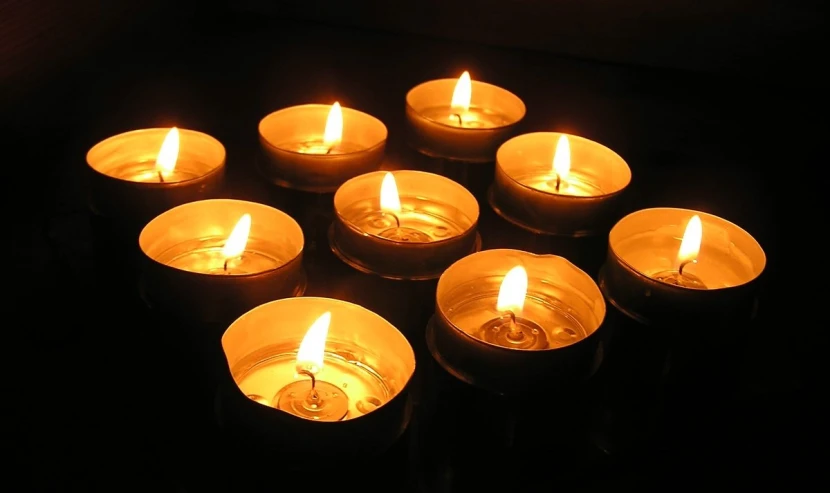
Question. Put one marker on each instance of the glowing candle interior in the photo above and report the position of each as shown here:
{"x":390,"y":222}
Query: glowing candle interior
{"x":223,"y":237}
{"x":316,"y":358}
{"x":462,"y":113}
{"x":330,"y":142}
{"x":541,"y":302}
{"x":562,"y":179}
{"x":411,"y":219}
{"x":686,"y":256}
{"x":163,"y":168}
{"x":317,"y":147}
{"x":687,"y":248}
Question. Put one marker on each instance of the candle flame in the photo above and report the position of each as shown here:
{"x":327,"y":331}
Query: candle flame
{"x":168,"y":153}
{"x":690,"y":246}
{"x":238,"y":239}
{"x":562,"y":158}
{"x":463,"y":93}
{"x":313,"y":346}
{"x":513,"y":291}
{"x":390,"y":201}
{"x":334,"y":126}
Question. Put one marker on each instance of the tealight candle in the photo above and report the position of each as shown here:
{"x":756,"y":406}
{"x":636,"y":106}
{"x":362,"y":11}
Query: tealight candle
{"x":508,"y":320}
{"x":137,"y":175}
{"x":212,"y":260}
{"x":318,"y":375}
{"x":461,"y":119}
{"x":317,"y":147}
{"x":558,"y":184}
{"x":673,"y":267}
{"x":403,"y":224}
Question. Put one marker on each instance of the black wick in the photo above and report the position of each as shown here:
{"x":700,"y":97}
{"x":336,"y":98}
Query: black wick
{"x":161,"y":178}
{"x":309,"y":375}
{"x":558,"y":181}
{"x":395,"y":217}
{"x":457,"y":115}
{"x":225,"y":267}
{"x":684,"y":264}
{"x":514,"y":332}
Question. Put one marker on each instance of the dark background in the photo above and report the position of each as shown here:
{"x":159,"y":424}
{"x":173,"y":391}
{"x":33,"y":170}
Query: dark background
{"x":714,"y":105}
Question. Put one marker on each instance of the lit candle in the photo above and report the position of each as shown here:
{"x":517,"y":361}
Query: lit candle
{"x":316,"y":147}
{"x":673,"y":266}
{"x":553,"y":183}
{"x":461,"y":119}
{"x":136,"y":175}
{"x":221,"y":256}
{"x":506,"y":318}
{"x":403,"y":225}
{"x":319,"y":360}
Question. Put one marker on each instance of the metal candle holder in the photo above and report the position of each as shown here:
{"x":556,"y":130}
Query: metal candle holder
{"x":436,"y":227}
{"x":286,"y":134}
{"x":182,"y":278}
{"x":525,"y":191}
{"x":432,"y":130}
{"x":366,"y":360}
{"x":563,"y":313}
{"x":116,"y":163}
{"x":644,"y":244}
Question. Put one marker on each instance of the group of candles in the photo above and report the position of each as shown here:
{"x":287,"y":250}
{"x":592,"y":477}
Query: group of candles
{"x":500,"y":314}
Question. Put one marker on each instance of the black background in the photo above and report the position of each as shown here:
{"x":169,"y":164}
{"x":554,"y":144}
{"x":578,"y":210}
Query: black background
{"x":97,"y":399}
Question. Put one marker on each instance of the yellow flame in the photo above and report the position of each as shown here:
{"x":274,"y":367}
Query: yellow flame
{"x":390,"y":201}
{"x":513,"y":291}
{"x":334,"y":126}
{"x":690,"y":246}
{"x":238,"y":239}
{"x":463,"y":93}
{"x":313,"y":347}
{"x":562,"y":157}
{"x":168,"y":153}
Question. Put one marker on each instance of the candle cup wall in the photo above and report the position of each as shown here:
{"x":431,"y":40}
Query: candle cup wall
{"x":438,"y":225}
{"x":185,"y":276}
{"x":644,"y":244}
{"x":366,"y":359}
{"x":563,"y":306}
{"x":125,"y":187}
{"x":285,"y":135}
{"x":431,"y":131}
{"x":525,"y":192}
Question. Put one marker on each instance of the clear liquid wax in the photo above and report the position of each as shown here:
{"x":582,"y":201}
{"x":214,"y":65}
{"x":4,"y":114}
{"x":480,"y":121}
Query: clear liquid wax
{"x":476,"y":313}
{"x":205,"y":256}
{"x":146,"y":172}
{"x":421,"y":220}
{"x":319,"y":147}
{"x":264,"y":380}
{"x":474,"y":117}
{"x":576,"y":185}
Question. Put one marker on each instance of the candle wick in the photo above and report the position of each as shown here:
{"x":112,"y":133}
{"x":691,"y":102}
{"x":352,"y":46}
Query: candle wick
{"x":311,"y":376}
{"x":161,"y":178}
{"x":558,"y":181}
{"x":457,"y":115}
{"x":313,"y":396}
{"x":684,"y":264}
{"x":514,"y":331}
{"x":328,"y":151}
{"x":395,"y":217}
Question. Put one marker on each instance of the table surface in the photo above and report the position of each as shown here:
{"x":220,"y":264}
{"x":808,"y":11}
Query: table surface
{"x":102,"y":403}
